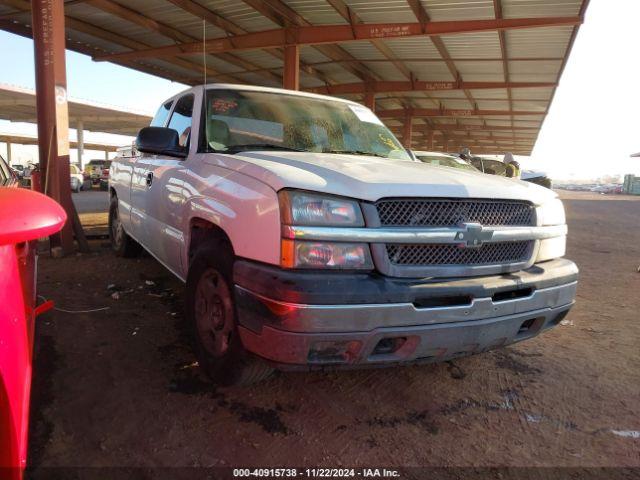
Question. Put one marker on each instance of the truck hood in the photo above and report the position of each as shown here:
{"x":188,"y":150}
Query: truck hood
{"x":372,"y":178}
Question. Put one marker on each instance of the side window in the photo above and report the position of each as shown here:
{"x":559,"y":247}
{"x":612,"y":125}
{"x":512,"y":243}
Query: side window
{"x":161,"y":115}
{"x":181,"y":119}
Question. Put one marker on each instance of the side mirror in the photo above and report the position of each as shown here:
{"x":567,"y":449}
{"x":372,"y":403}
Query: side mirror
{"x":160,"y":141}
{"x":26,"y":215}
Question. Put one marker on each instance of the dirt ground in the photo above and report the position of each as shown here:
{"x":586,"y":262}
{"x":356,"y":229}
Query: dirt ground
{"x":118,"y":387}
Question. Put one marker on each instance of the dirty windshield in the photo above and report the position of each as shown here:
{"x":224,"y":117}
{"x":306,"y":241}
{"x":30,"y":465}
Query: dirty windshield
{"x":239,"y":121}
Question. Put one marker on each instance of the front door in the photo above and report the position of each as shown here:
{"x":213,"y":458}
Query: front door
{"x":163,"y":200}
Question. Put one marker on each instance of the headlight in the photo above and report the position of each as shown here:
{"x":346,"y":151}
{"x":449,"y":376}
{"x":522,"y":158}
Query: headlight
{"x":308,"y":254}
{"x":552,"y":213}
{"x":309,"y":209}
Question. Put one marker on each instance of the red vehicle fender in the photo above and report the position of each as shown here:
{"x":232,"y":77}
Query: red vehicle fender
{"x":25,"y":215}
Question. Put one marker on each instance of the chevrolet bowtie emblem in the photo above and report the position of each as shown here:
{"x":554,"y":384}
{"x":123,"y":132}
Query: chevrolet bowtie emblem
{"x":473,"y":235}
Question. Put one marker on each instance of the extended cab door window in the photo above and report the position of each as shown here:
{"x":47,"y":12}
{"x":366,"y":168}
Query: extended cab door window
{"x":181,"y":119}
{"x":161,"y":115}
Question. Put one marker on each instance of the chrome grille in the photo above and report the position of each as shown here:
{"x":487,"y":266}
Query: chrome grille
{"x":449,"y":212}
{"x":442,"y":255}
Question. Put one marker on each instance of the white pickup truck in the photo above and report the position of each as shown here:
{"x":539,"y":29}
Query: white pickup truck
{"x":309,"y":238}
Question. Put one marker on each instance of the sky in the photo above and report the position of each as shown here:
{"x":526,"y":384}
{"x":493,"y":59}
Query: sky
{"x":592,"y":127}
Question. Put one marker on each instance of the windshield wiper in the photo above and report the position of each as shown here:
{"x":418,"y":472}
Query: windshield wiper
{"x":259,"y":146}
{"x":355,"y":152}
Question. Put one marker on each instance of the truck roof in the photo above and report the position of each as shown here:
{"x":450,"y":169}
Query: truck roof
{"x":253,"y":88}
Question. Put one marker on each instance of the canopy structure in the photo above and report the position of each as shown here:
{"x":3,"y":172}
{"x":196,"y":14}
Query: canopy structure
{"x":19,"y":105}
{"x":21,"y":139}
{"x":442,"y":74}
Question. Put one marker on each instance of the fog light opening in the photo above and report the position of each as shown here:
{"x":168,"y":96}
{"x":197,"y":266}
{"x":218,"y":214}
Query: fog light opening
{"x":389,"y":345}
{"x":334,"y":352}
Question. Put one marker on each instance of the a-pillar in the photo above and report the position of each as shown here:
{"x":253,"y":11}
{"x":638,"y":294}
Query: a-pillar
{"x":106,"y":155}
{"x":291,"y":74}
{"x":407,"y":130}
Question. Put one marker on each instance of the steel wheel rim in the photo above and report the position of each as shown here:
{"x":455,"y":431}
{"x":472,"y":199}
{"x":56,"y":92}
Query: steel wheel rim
{"x":214,"y":313}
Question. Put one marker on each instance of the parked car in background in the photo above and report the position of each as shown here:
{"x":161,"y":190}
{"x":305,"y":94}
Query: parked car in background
{"x":539,"y":178}
{"x":38,"y":216}
{"x":490,"y":166}
{"x":8,"y":176}
{"x":98,"y":172}
{"x":494,"y":166}
{"x":19,"y":170}
{"x":78,"y":178}
{"x":309,"y":238}
{"x":444,"y":160}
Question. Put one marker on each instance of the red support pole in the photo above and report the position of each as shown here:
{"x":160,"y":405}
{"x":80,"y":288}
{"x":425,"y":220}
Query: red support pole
{"x":47,"y":19}
{"x":407,"y":130}
{"x":370,"y":101}
{"x":291,"y":75}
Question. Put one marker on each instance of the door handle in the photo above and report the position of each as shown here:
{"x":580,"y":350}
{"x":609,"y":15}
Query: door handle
{"x":149,"y":179}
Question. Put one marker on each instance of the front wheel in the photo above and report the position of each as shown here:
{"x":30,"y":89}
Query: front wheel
{"x":212,"y":315}
{"x":121,"y":243}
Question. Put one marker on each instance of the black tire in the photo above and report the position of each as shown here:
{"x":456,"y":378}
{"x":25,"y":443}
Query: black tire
{"x":211,"y":313}
{"x":121,"y":243}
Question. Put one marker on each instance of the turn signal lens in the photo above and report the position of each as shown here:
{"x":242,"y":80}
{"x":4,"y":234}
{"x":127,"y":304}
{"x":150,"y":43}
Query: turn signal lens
{"x":303,"y":254}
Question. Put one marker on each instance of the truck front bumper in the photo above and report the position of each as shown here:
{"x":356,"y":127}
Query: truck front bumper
{"x":307,"y":319}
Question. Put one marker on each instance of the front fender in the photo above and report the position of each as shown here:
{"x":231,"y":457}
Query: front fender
{"x":244,"y":208}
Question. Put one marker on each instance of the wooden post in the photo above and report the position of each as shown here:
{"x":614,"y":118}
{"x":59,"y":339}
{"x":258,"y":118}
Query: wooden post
{"x":291,"y":74}
{"x":47,"y":19}
{"x":431,"y":135}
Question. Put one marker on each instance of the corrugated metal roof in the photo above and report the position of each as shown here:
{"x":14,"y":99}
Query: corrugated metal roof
{"x":449,"y":61}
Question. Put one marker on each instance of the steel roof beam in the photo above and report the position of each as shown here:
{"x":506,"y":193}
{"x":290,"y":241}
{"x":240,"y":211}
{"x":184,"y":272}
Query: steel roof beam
{"x":497,"y":8}
{"x":137,"y":18}
{"x":400,"y":113}
{"x":331,"y":34}
{"x":353,"y":19}
{"x":420,"y":86}
{"x":98,"y":32}
{"x":283,"y":15}
{"x":423,"y":17}
{"x":213,"y":18}
{"x":464,"y":128}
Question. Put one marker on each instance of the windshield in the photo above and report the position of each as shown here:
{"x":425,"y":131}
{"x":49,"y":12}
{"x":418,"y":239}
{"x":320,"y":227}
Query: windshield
{"x":446,"y":161}
{"x":246,"y":120}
